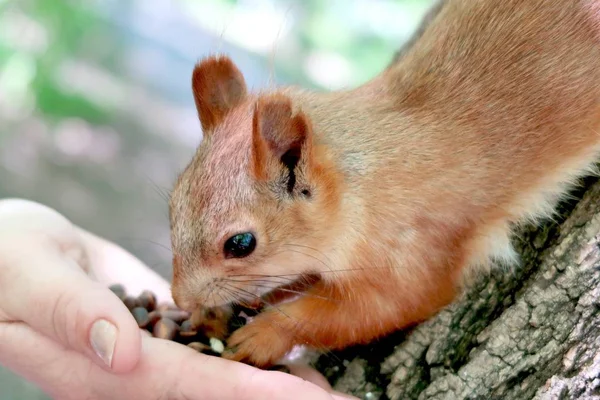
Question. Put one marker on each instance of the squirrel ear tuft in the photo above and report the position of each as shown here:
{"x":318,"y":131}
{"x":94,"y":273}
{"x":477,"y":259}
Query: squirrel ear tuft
{"x":218,"y":87}
{"x":279,"y":135}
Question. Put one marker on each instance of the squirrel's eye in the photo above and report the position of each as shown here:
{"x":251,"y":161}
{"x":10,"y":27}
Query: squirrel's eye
{"x":240,"y":245}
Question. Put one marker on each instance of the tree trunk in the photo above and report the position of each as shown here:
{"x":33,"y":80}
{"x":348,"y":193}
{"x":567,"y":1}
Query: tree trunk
{"x":528,"y":333}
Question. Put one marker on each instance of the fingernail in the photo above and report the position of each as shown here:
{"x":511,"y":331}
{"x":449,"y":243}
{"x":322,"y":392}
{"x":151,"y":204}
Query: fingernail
{"x":103,"y":337}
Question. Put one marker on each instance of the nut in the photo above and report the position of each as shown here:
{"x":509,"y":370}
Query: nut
{"x":186,"y":329}
{"x":119,"y":290}
{"x":147,"y":299}
{"x":176,"y":315}
{"x":206,"y":330}
{"x":201,"y":347}
{"x":165,"y":328}
{"x":131,"y":302}
{"x":141,"y":316}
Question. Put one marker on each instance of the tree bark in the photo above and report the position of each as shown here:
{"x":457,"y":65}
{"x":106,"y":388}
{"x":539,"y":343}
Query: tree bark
{"x":529,"y":333}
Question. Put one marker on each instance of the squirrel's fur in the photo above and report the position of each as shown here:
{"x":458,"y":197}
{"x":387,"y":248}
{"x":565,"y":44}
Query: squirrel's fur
{"x":399,"y":186}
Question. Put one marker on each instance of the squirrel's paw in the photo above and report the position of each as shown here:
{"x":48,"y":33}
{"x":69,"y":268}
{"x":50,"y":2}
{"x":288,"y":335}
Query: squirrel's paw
{"x":261,"y":343}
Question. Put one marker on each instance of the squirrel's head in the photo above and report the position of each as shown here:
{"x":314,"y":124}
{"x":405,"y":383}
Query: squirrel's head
{"x":251,"y":211}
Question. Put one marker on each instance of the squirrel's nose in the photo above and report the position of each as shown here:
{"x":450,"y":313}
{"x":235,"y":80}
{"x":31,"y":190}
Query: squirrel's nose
{"x":184,"y":304}
{"x":182,"y":301}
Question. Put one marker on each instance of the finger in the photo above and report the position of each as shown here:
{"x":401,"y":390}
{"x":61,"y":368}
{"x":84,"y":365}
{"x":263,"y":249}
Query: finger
{"x":309,"y":374}
{"x":248,"y":383}
{"x":26,"y":219}
{"x":342,"y":396}
{"x":108,"y":261}
{"x":203,"y":377}
{"x":166,"y":370}
{"x":67,"y":375}
{"x":47,"y":290}
{"x":315,"y":377}
{"x":40,"y":360}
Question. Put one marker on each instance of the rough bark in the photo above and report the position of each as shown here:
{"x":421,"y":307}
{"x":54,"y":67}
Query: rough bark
{"x":529,"y":333}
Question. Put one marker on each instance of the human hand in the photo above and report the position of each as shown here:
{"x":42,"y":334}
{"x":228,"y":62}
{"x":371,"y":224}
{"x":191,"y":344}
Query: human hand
{"x":74,"y":338}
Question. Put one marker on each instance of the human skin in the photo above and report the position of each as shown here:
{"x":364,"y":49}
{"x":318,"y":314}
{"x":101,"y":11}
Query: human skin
{"x":53,"y":289}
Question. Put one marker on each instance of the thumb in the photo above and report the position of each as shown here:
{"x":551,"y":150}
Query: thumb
{"x":49,"y":292}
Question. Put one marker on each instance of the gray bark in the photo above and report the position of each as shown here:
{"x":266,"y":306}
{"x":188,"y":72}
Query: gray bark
{"x":529,"y":333}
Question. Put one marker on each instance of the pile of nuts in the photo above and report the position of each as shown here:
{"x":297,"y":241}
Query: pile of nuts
{"x":205,"y":330}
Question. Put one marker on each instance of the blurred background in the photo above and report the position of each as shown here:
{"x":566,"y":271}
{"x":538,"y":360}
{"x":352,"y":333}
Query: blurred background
{"x":96,"y":112}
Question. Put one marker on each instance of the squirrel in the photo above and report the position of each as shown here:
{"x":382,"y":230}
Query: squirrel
{"x":432,"y":12}
{"x":390,"y":193}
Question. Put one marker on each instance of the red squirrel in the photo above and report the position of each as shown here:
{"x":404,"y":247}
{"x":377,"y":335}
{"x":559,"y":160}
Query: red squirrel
{"x":390,"y":192}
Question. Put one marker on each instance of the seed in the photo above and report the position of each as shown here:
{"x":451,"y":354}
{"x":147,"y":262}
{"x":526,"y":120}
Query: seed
{"x":176,"y":315}
{"x":147,"y":300}
{"x":131,"y":302}
{"x":141,"y":316}
{"x":153,"y":317}
{"x":119,"y":290}
{"x":166,"y":307}
{"x":212,"y":322}
{"x":216,"y":345}
{"x":201,"y":347}
{"x":165,"y":329}
{"x":187,"y":330}
{"x":167,"y":321}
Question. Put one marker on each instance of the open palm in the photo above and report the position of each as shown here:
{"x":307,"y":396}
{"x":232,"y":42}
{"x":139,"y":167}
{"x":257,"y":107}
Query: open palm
{"x":62,"y":328}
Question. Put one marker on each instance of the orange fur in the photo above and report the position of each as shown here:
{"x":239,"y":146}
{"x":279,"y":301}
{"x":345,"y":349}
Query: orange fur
{"x":275,"y":131}
{"x":218,"y":86}
{"x":212,"y":322}
{"x":414,"y":178}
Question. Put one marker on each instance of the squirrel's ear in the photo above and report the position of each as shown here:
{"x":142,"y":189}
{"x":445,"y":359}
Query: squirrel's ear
{"x":218,"y":87}
{"x":278,"y":136}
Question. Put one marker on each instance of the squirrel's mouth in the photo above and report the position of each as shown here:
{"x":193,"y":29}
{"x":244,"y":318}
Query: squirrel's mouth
{"x":284,"y":293}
